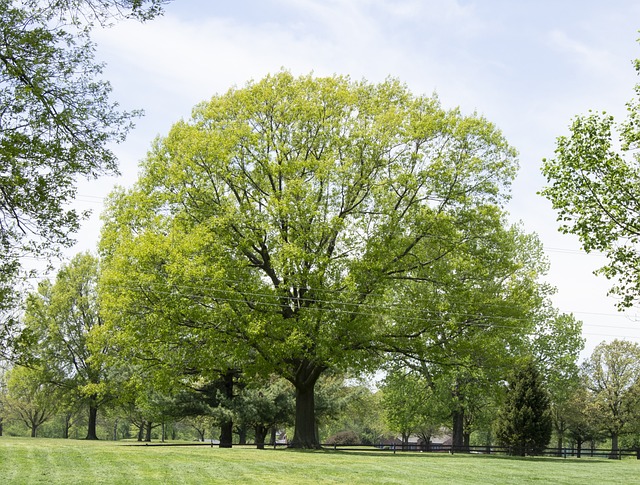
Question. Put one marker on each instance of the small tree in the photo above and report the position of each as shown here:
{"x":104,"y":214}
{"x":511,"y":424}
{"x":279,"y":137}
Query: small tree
{"x":524,"y":423}
{"x":61,"y":324}
{"x":407,"y":403}
{"x":29,"y":398}
{"x":362,"y":413}
{"x":3,"y":396}
{"x":611,"y":374}
{"x":263,"y":405}
{"x":581,"y":417}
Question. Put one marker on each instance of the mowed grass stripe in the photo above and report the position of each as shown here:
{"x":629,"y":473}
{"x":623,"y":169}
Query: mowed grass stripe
{"x":48,"y":461}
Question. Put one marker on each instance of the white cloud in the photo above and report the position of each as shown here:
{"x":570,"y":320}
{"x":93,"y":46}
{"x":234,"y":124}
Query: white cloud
{"x":581,"y":54}
{"x":190,"y":61}
{"x":336,"y":20}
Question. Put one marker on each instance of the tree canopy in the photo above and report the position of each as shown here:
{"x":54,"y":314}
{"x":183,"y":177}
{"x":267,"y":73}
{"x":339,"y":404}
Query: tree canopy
{"x":57,"y":121}
{"x":290,"y":219}
{"x":593,"y":187}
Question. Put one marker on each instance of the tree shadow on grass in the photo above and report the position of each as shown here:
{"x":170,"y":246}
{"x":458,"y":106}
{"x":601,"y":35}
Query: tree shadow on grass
{"x":477,"y":456}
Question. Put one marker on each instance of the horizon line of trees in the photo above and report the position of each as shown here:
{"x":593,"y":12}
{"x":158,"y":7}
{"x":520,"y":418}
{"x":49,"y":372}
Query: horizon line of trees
{"x":600,"y":404}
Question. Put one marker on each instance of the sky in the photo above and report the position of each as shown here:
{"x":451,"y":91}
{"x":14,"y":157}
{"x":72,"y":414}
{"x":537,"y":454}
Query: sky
{"x":528,"y":66}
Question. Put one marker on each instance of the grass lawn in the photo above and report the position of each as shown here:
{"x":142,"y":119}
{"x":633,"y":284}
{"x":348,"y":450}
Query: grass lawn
{"x":51,"y":461}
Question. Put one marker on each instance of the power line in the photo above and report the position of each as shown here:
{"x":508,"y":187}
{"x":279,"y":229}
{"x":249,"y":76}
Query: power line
{"x":414,"y":318}
{"x":306,"y":300}
{"x":341,"y":307}
{"x":369,"y":310}
{"x":580,"y":252}
{"x":93,"y":199}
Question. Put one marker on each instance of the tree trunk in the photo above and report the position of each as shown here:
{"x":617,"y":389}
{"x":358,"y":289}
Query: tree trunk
{"x":226,"y":427}
{"x":457,"y":441}
{"x":141,"y":430}
{"x":579,"y":446}
{"x":1,"y":426}
{"x":149,"y":426}
{"x":305,"y":427}
{"x":560,"y":427}
{"x":274,"y":435}
{"x":614,"y":446}
{"x":559,"y":444}
{"x":466,"y":441}
{"x":261,"y":433}
{"x":34,"y":429}
{"x":242,"y":435}
{"x":67,"y":425}
{"x":489,"y":442}
{"x":305,"y":435}
{"x":226,"y":434}
{"x":93,"y":419}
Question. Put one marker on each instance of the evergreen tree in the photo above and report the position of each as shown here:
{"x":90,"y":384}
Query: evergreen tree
{"x":524,"y":423}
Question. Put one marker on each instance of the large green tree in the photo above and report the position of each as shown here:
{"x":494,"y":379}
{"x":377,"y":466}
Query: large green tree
{"x":62,"y":324}
{"x":493,"y":308}
{"x":57,"y":124}
{"x":286,"y":219}
{"x":593,"y":185}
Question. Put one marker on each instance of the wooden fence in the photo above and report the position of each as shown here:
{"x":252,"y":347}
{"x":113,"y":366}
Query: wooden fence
{"x":490,"y":450}
{"x":434,"y":448}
